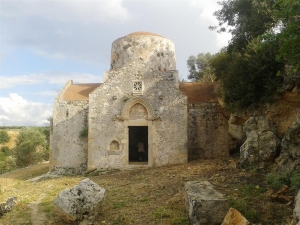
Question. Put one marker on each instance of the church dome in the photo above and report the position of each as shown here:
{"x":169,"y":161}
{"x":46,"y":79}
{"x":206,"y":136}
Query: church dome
{"x":156,"y":51}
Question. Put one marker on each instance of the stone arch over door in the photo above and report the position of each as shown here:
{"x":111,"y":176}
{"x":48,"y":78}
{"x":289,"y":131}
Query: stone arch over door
{"x":137,"y":100}
{"x":138,"y":112}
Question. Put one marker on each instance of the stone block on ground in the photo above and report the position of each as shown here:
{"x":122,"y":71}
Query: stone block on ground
{"x":234,"y":217}
{"x":81,"y":201}
{"x":204,"y":204}
{"x":8,"y":205}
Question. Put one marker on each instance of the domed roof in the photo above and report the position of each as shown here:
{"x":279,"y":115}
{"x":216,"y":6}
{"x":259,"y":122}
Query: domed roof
{"x":157,"y":52}
{"x":143,"y":33}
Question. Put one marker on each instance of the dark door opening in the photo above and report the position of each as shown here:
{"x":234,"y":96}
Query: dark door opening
{"x":137,"y":134}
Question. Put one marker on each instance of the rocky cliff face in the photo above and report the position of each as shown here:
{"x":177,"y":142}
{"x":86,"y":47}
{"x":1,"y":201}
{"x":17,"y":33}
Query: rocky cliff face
{"x":289,"y":158}
{"x":272,"y":133}
{"x":262,"y":143}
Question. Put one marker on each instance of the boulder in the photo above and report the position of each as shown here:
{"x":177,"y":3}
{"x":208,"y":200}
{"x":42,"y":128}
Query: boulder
{"x":268,"y":146}
{"x":8,"y":205}
{"x":296,"y":213}
{"x":234,"y":217}
{"x":262,"y":143}
{"x":288,"y":83}
{"x":81,"y":201}
{"x":289,"y":158}
{"x":204,"y":204}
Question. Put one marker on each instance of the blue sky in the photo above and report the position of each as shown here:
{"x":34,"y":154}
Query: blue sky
{"x":45,"y":43}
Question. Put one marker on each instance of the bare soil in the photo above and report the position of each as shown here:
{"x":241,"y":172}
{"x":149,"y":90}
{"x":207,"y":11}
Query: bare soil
{"x":147,"y":196}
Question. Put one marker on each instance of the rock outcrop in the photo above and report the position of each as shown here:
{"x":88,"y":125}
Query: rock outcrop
{"x":204,"y":204}
{"x":46,"y":176}
{"x":83,"y":201}
{"x":262,"y":143}
{"x":296,"y":213}
{"x":289,"y":158}
{"x":234,"y":217}
{"x":8,"y":205}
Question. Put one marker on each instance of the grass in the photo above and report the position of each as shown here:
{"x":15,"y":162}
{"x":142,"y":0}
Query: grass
{"x":148,"y":196}
{"x":242,"y":202}
{"x":162,"y":213}
{"x":291,"y":179}
{"x":242,"y":206}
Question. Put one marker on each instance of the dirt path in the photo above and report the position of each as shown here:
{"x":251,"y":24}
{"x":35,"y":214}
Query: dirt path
{"x":37,"y":218}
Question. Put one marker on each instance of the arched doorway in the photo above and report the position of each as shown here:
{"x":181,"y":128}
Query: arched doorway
{"x":138,"y":119}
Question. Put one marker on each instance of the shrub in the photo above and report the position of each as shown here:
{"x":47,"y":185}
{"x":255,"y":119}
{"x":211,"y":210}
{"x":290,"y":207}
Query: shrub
{"x":4,"y":137}
{"x":273,"y":179}
{"x":5,"y":150}
{"x":295,"y":181}
{"x":31,"y":146}
{"x":242,"y":207}
{"x":291,"y":178}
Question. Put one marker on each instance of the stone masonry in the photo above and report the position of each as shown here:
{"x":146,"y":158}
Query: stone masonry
{"x":141,"y":99}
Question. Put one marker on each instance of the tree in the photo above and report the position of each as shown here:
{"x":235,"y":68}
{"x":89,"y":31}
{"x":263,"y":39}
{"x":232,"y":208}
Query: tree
{"x":30,"y":147}
{"x":246,"y":19}
{"x":199,"y":68}
{"x":247,"y":68}
{"x":250,"y":78}
{"x":288,"y":17}
{"x":46,"y":132}
{"x":4,"y":137}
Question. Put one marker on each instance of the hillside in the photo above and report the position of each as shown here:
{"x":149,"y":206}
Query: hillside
{"x":13,"y":137}
{"x":148,"y":196}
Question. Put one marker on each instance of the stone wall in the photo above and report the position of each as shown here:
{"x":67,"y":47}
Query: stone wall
{"x":115,"y":105}
{"x":140,"y":94}
{"x":207,"y":131}
{"x":68,"y":150}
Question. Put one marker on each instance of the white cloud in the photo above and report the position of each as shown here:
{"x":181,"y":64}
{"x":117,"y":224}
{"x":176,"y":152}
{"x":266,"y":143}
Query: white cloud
{"x":202,"y":4}
{"x":17,"y":111}
{"x":223,"y":39}
{"x":10,"y":81}
{"x":206,"y":11}
{"x":48,"y":77}
{"x":67,"y":11}
{"x":47,"y":93}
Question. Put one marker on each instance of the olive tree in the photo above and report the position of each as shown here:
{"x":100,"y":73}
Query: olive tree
{"x":4,"y":137}
{"x":199,"y":68}
{"x":31,"y":146}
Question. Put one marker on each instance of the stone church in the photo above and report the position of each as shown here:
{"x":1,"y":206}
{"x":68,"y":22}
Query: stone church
{"x":140,"y":100}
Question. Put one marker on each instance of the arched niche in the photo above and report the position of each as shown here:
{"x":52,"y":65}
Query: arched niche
{"x":139,"y":104}
{"x":138,"y":112}
{"x":114,"y":145}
